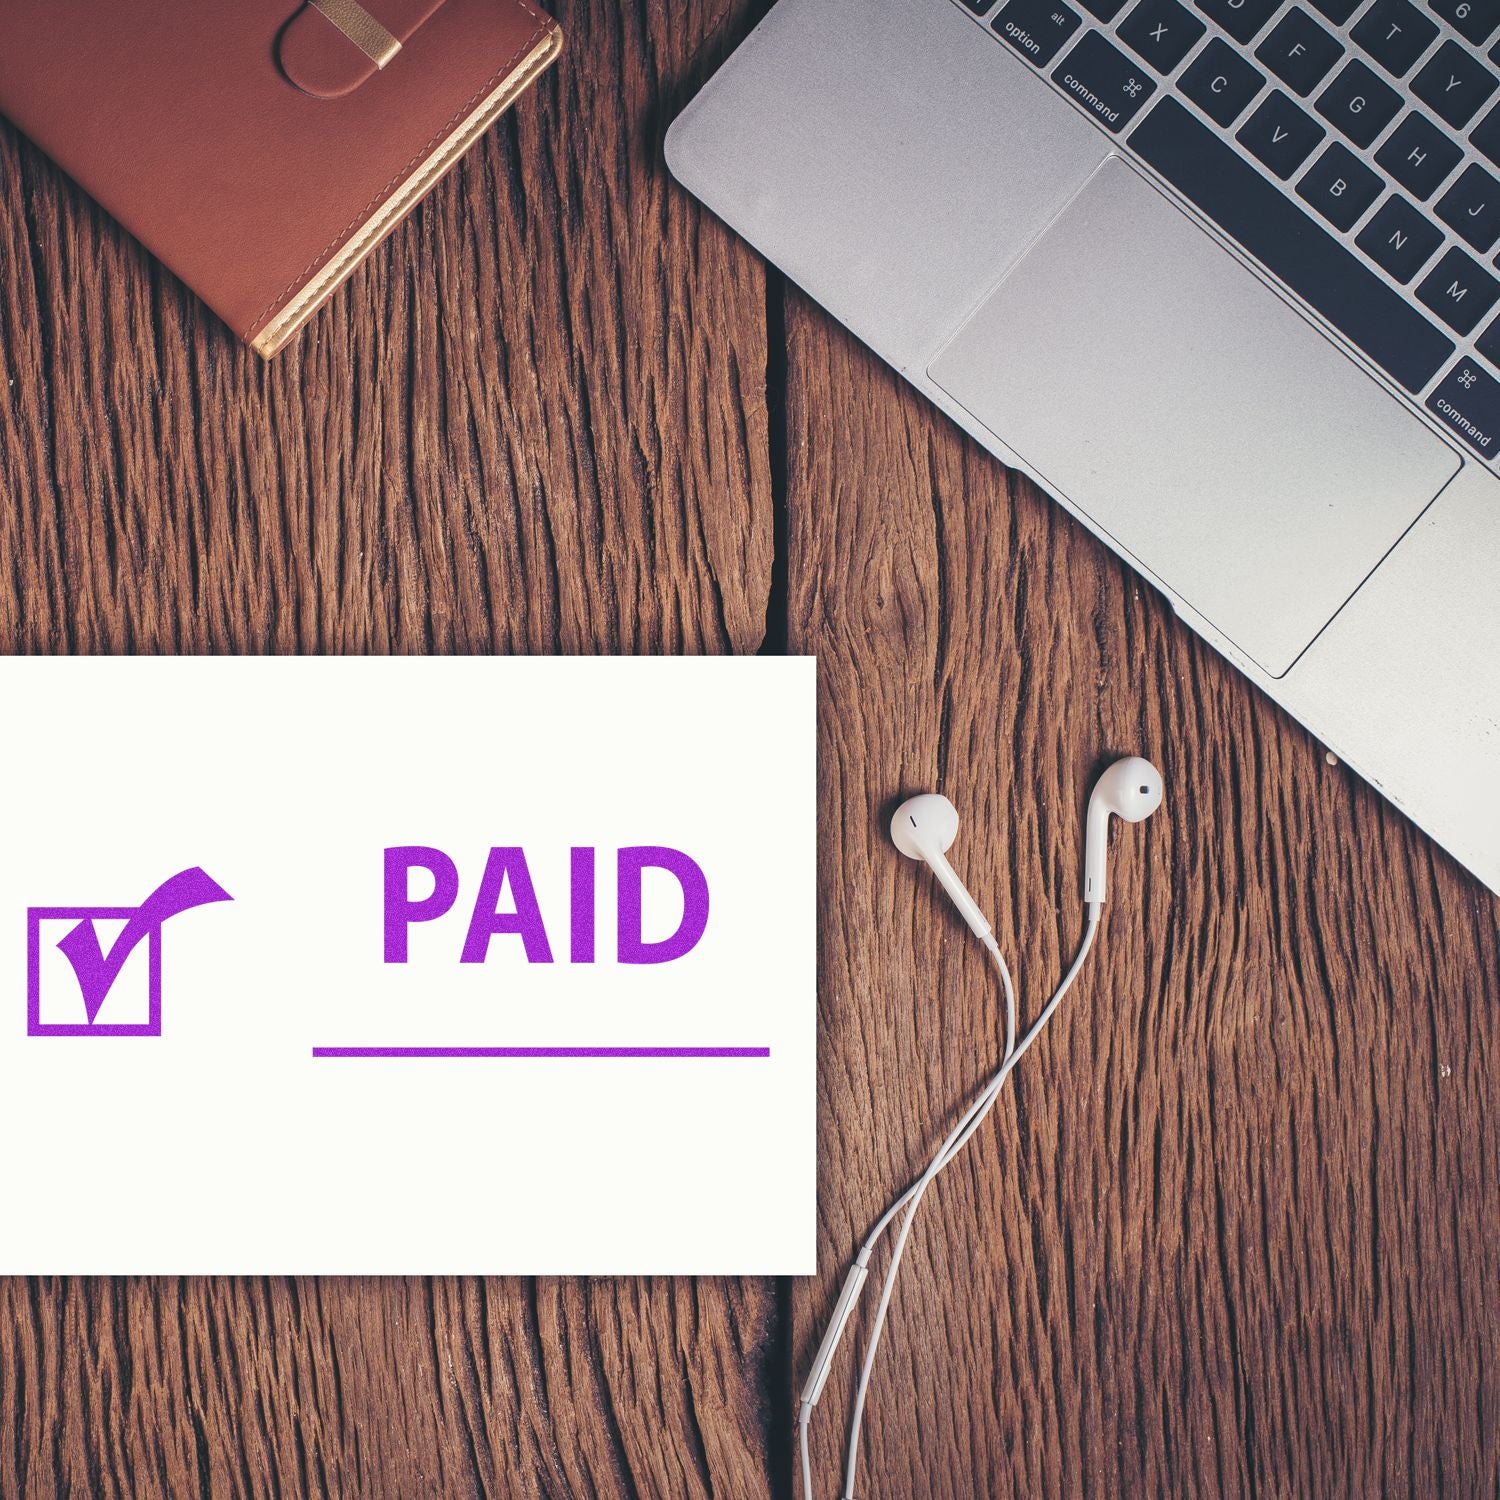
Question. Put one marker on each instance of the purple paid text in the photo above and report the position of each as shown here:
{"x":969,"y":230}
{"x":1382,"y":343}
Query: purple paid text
{"x":505,"y":873}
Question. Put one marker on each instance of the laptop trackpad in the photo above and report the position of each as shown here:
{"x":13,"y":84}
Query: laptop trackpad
{"x":1208,"y":428}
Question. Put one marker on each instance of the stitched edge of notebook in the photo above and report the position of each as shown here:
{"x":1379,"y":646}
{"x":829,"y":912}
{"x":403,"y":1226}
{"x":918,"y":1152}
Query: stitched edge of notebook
{"x":306,"y":301}
{"x":279,"y":300}
{"x":284,"y":323}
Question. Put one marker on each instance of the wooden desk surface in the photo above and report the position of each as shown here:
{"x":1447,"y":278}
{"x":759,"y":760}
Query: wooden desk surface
{"x":1235,"y":1231}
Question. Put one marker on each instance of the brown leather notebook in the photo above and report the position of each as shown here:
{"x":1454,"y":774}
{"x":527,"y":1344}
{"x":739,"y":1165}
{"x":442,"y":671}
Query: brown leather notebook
{"x":263,"y":148}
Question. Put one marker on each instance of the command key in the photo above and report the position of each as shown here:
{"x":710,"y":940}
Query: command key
{"x":1468,"y":400}
{"x":1104,"y":81}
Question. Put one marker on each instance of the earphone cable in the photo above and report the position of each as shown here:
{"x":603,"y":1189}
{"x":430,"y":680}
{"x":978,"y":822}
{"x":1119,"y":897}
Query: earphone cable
{"x":814,"y":1383}
{"x":956,"y":1140}
{"x":967,"y":1123}
{"x":803,"y":1418}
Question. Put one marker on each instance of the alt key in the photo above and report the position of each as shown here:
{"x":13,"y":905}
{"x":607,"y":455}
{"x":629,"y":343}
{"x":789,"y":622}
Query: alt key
{"x":1036,"y":28}
{"x":1468,"y":400}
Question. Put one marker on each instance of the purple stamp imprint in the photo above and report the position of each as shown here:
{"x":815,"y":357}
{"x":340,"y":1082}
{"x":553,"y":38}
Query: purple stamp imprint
{"x":65,"y":994}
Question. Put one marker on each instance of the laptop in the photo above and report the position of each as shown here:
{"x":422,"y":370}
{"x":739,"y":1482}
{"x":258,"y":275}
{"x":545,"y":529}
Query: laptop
{"x":1220,"y":276}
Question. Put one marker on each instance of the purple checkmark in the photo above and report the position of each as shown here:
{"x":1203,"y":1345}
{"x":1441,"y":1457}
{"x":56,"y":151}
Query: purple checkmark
{"x":98,"y":970}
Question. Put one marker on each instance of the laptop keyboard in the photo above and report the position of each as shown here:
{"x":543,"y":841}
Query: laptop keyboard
{"x":1351,"y":147}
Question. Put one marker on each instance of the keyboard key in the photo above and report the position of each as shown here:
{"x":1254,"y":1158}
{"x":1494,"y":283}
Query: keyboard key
{"x":1359,"y":103}
{"x":1299,"y":52}
{"x":1468,"y":400}
{"x":1290,"y":244}
{"x":1394,"y":34}
{"x":1337,"y":11}
{"x":1418,"y":155}
{"x":1037,"y":29}
{"x":1162,"y":32}
{"x":1459,"y":291}
{"x":1104,"y":10}
{"x":1454,"y":84}
{"x":1488,"y":343}
{"x":1280,"y":135}
{"x":1471,"y":208}
{"x":1340,"y":186}
{"x":1220,"y":82}
{"x":1486,"y":137}
{"x":1473,"y":20}
{"x":1104,"y":81}
{"x":1399,"y":239}
{"x":1240,"y":18}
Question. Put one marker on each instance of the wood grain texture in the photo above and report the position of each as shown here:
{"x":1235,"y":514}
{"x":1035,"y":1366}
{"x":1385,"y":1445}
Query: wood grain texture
{"x":476,"y":447}
{"x":1233,"y":1231}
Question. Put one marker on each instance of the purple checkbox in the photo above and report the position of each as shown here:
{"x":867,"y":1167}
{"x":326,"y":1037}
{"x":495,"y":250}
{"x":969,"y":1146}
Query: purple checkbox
{"x":36,"y":1026}
{"x":95,"y":968}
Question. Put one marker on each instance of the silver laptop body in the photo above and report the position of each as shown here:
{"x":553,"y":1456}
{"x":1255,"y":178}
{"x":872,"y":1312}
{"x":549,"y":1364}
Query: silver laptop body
{"x":1213,"y":351}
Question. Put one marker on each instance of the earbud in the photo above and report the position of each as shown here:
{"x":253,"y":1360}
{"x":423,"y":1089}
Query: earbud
{"x":924,"y":828}
{"x":1129,"y":789}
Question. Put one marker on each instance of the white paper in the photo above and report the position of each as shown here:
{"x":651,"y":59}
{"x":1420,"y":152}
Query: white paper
{"x":226,"y":1144}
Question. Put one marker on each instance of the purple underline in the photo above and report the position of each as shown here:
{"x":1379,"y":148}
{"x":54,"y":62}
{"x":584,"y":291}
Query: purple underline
{"x":541,"y":1051}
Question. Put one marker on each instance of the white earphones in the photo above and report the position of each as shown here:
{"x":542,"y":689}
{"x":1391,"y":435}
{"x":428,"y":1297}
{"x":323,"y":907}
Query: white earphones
{"x":924,"y":827}
{"x":1130,"y":789}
